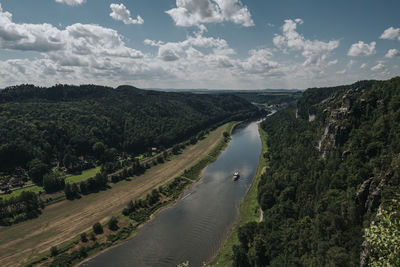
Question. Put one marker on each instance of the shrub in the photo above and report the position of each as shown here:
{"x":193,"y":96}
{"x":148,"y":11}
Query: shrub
{"x":113,"y":224}
{"x":53,"y":251}
{"x":97,"y":228}
{"x":84,"y":237}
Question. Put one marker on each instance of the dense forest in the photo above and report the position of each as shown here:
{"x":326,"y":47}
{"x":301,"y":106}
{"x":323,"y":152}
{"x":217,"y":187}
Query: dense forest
{"x":269,"y":98}
{"x":328,"y":176}
{"x":72,"y":126}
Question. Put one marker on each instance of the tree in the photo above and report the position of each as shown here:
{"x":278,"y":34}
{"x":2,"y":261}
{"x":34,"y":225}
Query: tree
{"x":240,"y":257}
{"x":193,"y":140}
{"x":54,"y":251}
{"x":53,"y":182}
{"x":67,"y":191}
{"x":36,"y":170}
{"x":97,"y":228}
{"x":68,"y":161}
{"x":113,"y":224}
{"x":98,"y":149}
{"x":84,"y":237}
{"x":175,"y":149}
{"x":383,"y":237}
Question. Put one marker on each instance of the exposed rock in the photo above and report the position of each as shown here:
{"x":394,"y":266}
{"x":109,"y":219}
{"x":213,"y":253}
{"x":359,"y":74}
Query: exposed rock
{"x":345,"y":154}
{"x":374,"y":195}
{"x":364,"y":254}
{"x":363,"y":191}
{"x":346,"y":102}
{"x":336,"y":131}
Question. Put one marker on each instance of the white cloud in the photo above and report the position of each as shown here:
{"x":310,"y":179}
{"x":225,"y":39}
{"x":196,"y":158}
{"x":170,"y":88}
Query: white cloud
{"x":362,"y":49}
{"x":36,"y":37}
{"x":259,"y":62}
{"x":342,"y":72}
{"x":333,"y":62}
{"x":172,"y":51}
{"x":391,"y":34}
{"x":378,"y":67}
{"x":363,"y":66}
{"x":85,"y":53}
{"x":316,"y":52}
{"x":77,"y":39}
{"x":121,"y":13}
{"x":392,"y":53}
{"x":71,"y":2}
{"x":196,"y":12}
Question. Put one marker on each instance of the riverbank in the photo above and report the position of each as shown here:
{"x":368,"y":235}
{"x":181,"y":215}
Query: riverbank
{"x":63,"y":221}
{"x":193,"y":174}
{"x":249,"y":211}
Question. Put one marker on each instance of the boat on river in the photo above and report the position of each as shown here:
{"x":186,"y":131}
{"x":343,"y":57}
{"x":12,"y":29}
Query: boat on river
{"x":236,"y":175}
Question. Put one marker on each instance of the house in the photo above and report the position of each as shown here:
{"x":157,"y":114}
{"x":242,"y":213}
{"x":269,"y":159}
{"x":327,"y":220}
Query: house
{"x":15,"y":182}
{"x":3,"y":186}
{"x":153,"y":149}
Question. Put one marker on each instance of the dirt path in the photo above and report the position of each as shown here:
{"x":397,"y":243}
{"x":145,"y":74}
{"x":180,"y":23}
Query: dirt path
{"x":63,"y":221}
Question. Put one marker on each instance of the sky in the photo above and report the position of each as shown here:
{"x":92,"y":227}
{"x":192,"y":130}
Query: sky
{"x":199,"y":44}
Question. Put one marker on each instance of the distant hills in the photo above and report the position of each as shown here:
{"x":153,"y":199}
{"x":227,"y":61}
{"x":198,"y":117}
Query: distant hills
{"x":221,"y":91}
{"x":50,"y":123}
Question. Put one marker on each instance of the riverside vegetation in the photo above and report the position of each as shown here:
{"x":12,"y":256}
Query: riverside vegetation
{"x":333,"y":165}
{"x":136,"y":212}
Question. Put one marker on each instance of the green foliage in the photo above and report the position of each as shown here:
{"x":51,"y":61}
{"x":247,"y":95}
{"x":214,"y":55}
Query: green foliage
{"x":58,"y":125}
{"x":113,"y":224}
{"x":36,"y":170}
{"x":84,"y":237}
{"x":313,"y":215}
{"x":53,"y":182}
{"x":54,"y":251}
{"x":383,"y":237}
{"x":270,"y":97}
{"x":97,"y":228}
{"x":20,"y":208}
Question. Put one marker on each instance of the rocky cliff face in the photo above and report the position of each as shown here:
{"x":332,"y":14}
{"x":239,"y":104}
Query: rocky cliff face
{"x":337,"y":115}
{"x":336,"y":123}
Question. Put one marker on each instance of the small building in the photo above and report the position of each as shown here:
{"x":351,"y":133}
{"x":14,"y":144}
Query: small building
{"x":15,"y":182}
{"x":4,"y":187}
{"x":153,"y":149}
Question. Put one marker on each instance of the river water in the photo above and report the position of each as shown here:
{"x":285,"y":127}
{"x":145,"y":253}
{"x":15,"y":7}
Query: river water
{"x":194,"y":228}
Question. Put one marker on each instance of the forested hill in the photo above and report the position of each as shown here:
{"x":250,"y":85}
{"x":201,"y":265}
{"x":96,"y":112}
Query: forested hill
{"x":332,"y":165}
{"x":46,"y":124}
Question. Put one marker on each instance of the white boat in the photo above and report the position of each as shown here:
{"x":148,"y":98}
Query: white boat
{"x":236,"y":175}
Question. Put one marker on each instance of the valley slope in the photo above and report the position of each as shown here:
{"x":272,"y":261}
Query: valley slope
{"x":333,"y":163}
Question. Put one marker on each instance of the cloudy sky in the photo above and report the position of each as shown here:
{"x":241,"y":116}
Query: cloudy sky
{"x":215,"y":44}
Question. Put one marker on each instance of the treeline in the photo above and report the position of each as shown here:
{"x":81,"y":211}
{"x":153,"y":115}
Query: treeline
{"x":270,"y":97}
{"x":36,"y":124}
{"x":101,"y":179}
{"x":78,"y":126}
{"x":16,"y":209}
{"x":314,"y":206}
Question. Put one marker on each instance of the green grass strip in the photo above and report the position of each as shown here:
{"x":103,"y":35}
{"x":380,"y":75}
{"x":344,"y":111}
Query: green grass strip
{"x":82,"y":177}
{"x":249,"y":210}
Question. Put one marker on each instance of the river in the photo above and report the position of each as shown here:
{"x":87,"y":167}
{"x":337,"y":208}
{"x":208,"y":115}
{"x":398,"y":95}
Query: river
{"x":194,"y":228}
